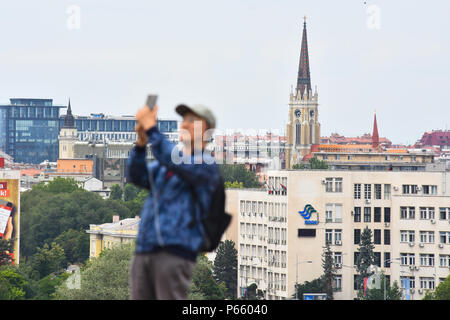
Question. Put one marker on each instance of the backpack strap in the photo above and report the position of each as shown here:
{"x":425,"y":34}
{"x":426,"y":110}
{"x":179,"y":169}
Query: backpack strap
{"x":194,"y":202}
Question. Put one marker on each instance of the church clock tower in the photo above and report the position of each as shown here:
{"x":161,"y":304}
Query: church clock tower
{"x":303,"y":128}
{"x":68,"y":136}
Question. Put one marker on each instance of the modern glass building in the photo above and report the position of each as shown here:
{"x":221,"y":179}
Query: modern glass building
{"x":100,"y":127}
{"x":29,"y":129}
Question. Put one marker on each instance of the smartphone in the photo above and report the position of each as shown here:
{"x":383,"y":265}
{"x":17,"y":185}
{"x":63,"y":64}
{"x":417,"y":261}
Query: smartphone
{"x":151,"y":101}
{"x":6,"y":209}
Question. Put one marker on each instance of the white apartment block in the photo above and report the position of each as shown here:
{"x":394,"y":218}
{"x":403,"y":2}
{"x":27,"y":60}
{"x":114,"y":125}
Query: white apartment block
{"x":407,"y":212}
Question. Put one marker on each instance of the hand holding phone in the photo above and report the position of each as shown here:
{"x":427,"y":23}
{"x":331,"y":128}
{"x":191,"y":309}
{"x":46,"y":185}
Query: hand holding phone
{"x":151,"y":101}
{"x":146,"y":116}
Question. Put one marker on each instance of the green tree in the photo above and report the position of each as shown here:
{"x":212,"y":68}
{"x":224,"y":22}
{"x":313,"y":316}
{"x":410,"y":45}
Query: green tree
{"x":6,"y":246}
{"x":239,"y":173}
{"x":45,"y":216}
{"x":49,"y":259}
{"x":130,"y":192}
{"x":203,"y":282}
{"x":329,"y":271}
{"x":225,"y":267}
{"x":253,"y":293}
{"x":49,"y":284}
{"x":116,"y":192}
{"x":392,"y":292}
{"x":365,"y":259}
{"x":442,"y":291}
{"x":233,"y":185}
{"x":103,"y":278}
{"x":313,"y":163}
{"x":75,"y":244}
{"x":317,"y":164}
{"x":59,"y":185}
{"x":12,"y":284}
{"x":314,"y":286}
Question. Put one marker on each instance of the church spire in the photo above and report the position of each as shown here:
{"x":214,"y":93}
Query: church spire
{"x":69,"y":121}
{"x":304,"y":78}
{"x":375,"y":138}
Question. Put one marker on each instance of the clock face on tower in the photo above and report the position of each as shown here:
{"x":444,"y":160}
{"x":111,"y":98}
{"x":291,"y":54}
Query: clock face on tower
{"x":297,"y":113}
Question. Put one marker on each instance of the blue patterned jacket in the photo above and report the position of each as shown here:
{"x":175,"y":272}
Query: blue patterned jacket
{"x":174,"y":183}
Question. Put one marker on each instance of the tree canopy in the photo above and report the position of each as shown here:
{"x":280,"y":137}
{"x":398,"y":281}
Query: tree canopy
{"x":225,"y":267}
{"x":239,"y":173}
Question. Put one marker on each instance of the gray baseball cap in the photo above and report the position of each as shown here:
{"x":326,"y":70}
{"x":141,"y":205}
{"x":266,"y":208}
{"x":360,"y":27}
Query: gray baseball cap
{"x":200,"y":110}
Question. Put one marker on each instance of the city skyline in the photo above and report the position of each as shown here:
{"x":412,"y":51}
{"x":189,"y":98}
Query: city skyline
{"x":239,"y":58}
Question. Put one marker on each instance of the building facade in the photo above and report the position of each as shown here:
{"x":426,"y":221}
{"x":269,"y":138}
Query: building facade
{"x":107,"y":235}
{"x":29,"y":129}
{"x":407,"y":212}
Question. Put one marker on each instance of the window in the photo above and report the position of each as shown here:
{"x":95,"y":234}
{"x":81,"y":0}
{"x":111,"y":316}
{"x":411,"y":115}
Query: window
{"x":387,"y":236}
{"x":338,"y":209}
{"x":329,"y":185}
{"x":444,"y":237}
{"x":367,"y":214}
{"x":329,"y":213}
{"x":426,"y":213}
{"x":427,"y":236}
{"x":367,"y":191}
{"x":427,"y":189}
{"x":337,"y":257}
{"x":337,"y":282}
{"x":427,"y":283}
{"x":411,"y":280}
{"x":377,"y":236}
{"x":410,"y":189}
{"x":444,"y":260}
{"x":387,"y":214}
{"x":387,"y":258}
{"x":377,"y":214}
{"x":387,"y":192}
{"x":328,"y":236}
{"x":377,"y":188}
{"x":407,"y":213}
{"x":444,"y":213}
{"x":407,"y":235}
{"x":407,"y":259}
{"x":357,"y":191}
{"x":338,"y":184}
{"x":377,"y":258}
{"x":338,"y":236}
{"x":427,"y":260}
{"x":357,"y":236}
{"x":355,"y":257}
{"x":357,"y":214}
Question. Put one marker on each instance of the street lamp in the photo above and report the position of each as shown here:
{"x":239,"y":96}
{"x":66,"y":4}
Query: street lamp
{"x":384,"y":277}
{"x":296,"y":277}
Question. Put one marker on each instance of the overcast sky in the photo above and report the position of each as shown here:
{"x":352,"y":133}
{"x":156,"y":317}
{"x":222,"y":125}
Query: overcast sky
{"x":240,"y":57}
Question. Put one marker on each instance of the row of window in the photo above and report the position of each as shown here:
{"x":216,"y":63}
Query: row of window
{"x":34,"y":112}
{"x":415,"y":189}
{"x":276,"y":211}
{"x":367,"y":215}
{"x":277,"y":186}
{"x":376,"y":236}
{"x":367,"y":192}
{"x":426,"y":213}
{"x":260,"y":231}
{"x":425,"y":236}
{"x":274,"y":280}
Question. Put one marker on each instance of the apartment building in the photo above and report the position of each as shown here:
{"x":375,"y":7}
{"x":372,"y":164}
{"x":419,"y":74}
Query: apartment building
{"x":280,"y":239}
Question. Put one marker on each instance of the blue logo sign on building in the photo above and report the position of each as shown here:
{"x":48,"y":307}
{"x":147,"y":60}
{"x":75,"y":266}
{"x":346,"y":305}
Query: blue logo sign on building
{"x":307,"y":213}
